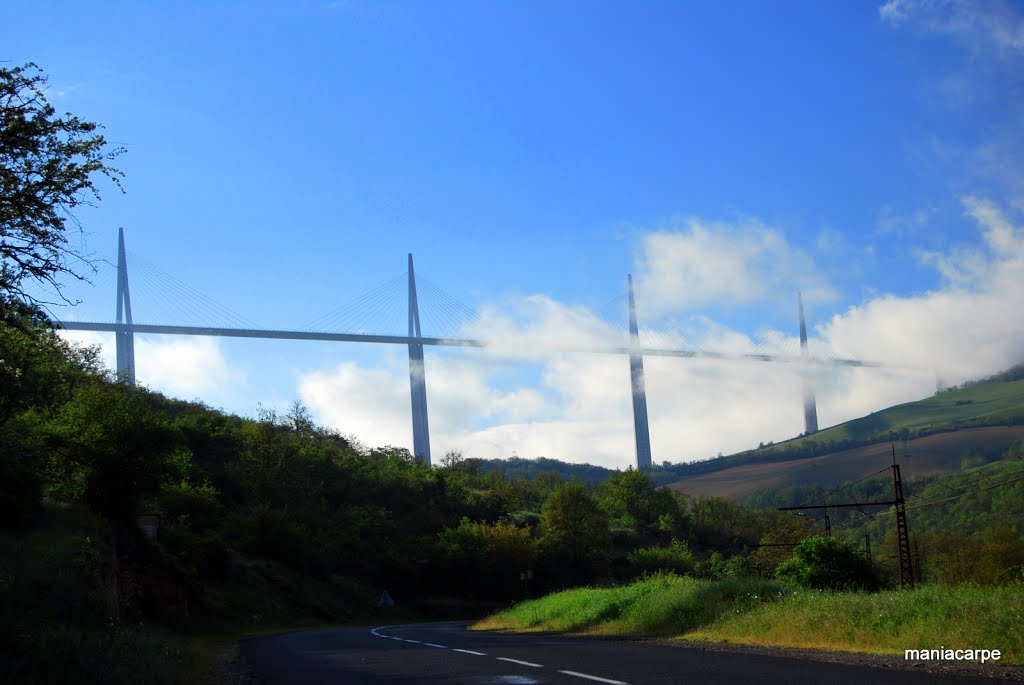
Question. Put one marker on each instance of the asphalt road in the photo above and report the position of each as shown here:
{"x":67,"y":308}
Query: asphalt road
{"x":436,"y":653}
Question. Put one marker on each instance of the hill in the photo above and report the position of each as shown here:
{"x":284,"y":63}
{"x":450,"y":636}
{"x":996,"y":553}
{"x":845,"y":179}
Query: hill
{"x":939,"y":454}
{"x":981,"y":419}
{"x":528,"y":469}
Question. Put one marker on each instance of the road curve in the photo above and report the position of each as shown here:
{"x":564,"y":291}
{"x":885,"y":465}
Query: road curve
{"x":447,"y":653}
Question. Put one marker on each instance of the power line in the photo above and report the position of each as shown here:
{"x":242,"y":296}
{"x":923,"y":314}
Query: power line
{"x":843,"y":487}
{"x":962,"y":494}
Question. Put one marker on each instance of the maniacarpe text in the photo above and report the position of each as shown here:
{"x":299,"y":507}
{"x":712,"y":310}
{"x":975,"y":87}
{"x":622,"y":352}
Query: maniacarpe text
{"x":943,"y":654}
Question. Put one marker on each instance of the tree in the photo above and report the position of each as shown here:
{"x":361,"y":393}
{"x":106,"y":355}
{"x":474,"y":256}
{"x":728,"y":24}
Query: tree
{"x":110,"y":449}
{"x":49,"y":166}
{"x":826,"y":564}
{"x":574,"y":528}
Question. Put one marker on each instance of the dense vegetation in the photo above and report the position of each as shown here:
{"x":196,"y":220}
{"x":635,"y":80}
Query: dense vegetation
{"x":276,"y":520}
{"x":964,"y":528}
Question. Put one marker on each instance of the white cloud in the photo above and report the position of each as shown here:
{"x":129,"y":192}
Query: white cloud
{"x":184,"y":367}
{"x":579,"y":407}
{"x":368,"y":403}
{"x":901,"y":225}
{"x":968,"y":328}
{"x":984,"y":26}
{"x":178,"y":366}
{"x":536,"y":326}
{"x":723,"y":264}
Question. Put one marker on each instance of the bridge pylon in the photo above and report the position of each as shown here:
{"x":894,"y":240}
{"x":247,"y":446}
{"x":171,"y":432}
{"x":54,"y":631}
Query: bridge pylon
{"x":417,"y":377}
{"x":810,"y":406}
{"x":124,"y":338}
{"x":641,"y":431}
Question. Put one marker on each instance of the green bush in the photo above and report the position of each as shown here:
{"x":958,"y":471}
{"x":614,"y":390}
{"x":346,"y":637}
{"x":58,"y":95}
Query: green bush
{"x":824,"y":563}
{"x":676,"y":558}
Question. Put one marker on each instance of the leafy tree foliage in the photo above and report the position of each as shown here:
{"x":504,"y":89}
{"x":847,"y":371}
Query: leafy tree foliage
{"x":111,"y":450}
{"x":37,"y":367}
{"x":49,"y":166}
{"x":574,"y":529}
{"x":485,"y":560}
{"x":676,"y":558}
{"x":38,"y":371}
{"x":824,"y":563}
{"x":994,"y":556}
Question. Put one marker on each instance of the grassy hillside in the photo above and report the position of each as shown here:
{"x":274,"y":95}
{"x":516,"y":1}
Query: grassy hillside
{"x":985,"y":417}
{"x":984,"y":404}
{"x":766,"y":612}
{"x":938,"y":454}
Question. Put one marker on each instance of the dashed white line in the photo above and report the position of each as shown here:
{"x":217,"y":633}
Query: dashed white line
{"x":517,"y":661}
{"x":594,"y":677}
{"x":576,"y":674}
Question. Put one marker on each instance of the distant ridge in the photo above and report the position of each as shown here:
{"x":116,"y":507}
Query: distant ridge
{"x":983,"y":417}
{"x":988,"y":414}
{"x":994,"y":401}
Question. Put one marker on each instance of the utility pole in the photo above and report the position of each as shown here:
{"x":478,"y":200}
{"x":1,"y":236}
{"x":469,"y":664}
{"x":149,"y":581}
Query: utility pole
{"x":867,"y":548}
{"x":907,"y":577}
{"x":902,"y":534}
{"x":828,"y":525}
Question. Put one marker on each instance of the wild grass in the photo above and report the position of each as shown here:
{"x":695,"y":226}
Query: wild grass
{"x":660,"y":605}
{"x":764,"y":612}
{"x":984,"y":404}
{"x":885,"y":622}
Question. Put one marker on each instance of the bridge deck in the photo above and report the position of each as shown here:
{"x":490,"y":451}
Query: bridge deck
{"x":443,"y":342}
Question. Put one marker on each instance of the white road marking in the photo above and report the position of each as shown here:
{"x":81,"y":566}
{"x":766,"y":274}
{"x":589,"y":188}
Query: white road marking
{"x":576,"y":674}
{"x":517,"y":661}
{"x":594,"y":677}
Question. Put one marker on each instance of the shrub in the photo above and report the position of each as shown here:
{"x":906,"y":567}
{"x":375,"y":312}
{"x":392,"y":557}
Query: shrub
{"x":826,"y":564}
{"x":676,"y":558}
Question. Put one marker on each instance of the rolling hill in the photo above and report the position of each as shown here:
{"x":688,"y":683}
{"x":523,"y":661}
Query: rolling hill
{"x":941,"y":453}
{"x":932,"y":436}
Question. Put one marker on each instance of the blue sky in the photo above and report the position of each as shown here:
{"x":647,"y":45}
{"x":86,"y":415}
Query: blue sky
{"x":283,"y":158}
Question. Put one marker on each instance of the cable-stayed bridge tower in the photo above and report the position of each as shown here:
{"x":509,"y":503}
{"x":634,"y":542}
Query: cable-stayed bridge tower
{"x":641,"y":431}
{"x":417,"y":376}
{"x":810,"y":407}
{"x":124,"y":338}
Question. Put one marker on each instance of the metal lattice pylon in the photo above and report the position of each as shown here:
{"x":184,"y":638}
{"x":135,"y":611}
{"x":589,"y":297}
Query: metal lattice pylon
{"x":902,"y":534}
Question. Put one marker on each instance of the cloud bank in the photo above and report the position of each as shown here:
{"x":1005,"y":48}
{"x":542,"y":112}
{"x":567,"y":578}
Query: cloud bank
{"x":579,"y":407}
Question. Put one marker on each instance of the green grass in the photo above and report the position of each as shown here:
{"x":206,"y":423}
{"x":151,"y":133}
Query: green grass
{"x":885,"y":622}
{"x":661,"y":605}
{"x":984,"y":404}
{"x":767,"y":613}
